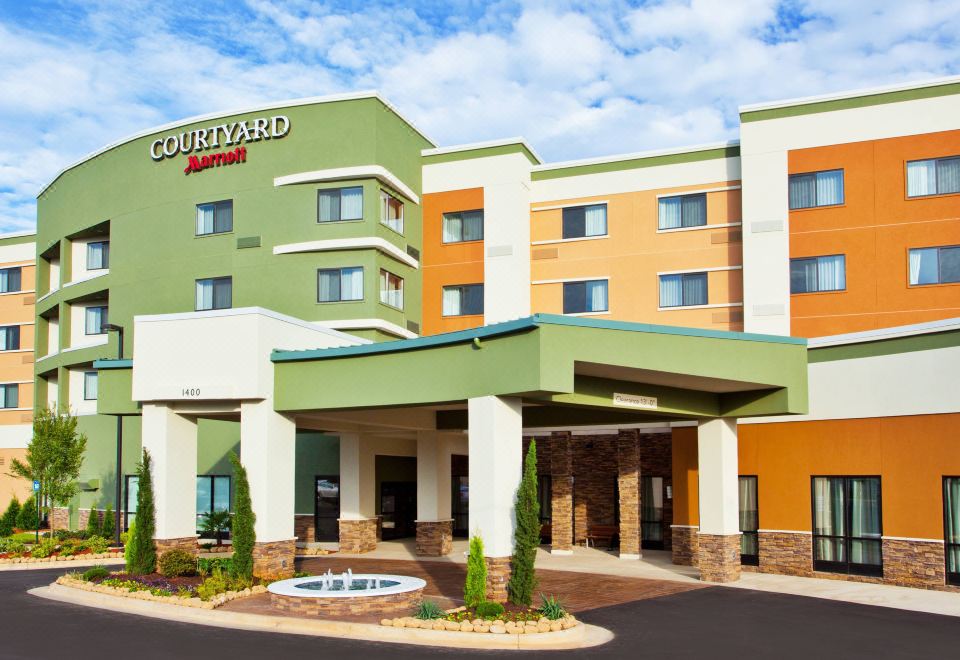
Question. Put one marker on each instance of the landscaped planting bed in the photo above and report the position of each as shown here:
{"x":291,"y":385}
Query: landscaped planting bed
{"x":184,"y":591}
{"x":512,"y":621}
{"x":50,"y":549}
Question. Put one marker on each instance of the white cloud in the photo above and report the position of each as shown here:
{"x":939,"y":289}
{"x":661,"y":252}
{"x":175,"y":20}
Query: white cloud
{"x":578,"y":79}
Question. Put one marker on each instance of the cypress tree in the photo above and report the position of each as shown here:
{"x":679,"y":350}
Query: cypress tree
{"x":143,"y":558}
{"x":475,"y":588}
{"x":93,"y":523}
{"x":9,"y":519}
{"x":523,"y":580}
{"x":244,"y":535}
{"x":108,"y":528}
{"x":27,"y":519}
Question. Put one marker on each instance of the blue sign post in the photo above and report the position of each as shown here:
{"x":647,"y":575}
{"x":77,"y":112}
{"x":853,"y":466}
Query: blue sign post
{"x":36,"y":489}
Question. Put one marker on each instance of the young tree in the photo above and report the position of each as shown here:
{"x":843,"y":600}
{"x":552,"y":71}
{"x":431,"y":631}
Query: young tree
{"x":9,"y":519}
{"x":143,"y":558}
{"x":54,"y":457}
{"x":93,"y":523}
{"x":109,"y":527}
{"x":475,"y":587}
{"x":523,"y":580}
{"x":27,"y":518}
{"x":244,"y":535}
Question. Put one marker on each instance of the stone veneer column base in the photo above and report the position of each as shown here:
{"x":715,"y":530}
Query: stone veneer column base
{"x":561,"y":497}
{"x":498,"y":576}
{"x":303,"y":527}
{"x":434,"y":537}
{"x":60,"y":517}
{"x":910,"y":563}
{"x":719,"y":557}
{"x":786,"y":553}
{"x":685,"y":548}
{"x":273,"y":560}
{"x":358,"y":536}
{"x":187,"y":543}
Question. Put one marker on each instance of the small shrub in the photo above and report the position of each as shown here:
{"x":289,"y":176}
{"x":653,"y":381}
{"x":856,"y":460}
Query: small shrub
{"x":207,"y":565}
{"x":12,"y":546}
{"x":27,"y":517}
{"x":44,"y":549}
{"x":95,"y":573}
{"x":216,"y":584}
{"x":551,"y":608}
{"x":129,"y":544}
{"x":96,"y":544}
{"x":109,"y":528}
{"x":489,"y":610}
{"x":67,"y":534}
{"x":9,"y":519}
{"x":427,"y":609}
{"x":93,"y":523}
{"x":69,"y":548}
{"x":475,"y":587}
{"x":177,"y":563}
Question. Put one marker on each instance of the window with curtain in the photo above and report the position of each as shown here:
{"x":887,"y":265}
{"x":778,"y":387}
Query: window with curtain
{"x":94,"y":320}
{"x":339,"y":284}
{"x":847,"y":529}
{"x":816,"y":274}
{"x":215,"y":217}
{"x":214,"y":293}
{"x":584,"y":221}
{"x":340,"y":204}
{"x":682,"y":211}
{"x":98,"y":255}
{"x":651,"y":512}
{"x":463,"y":226}
{"x":213,"y":494}
{"x":951,"y":532}
{"x":391,"y":211}
{"x":463,"y":300}
{"x":10,"y":338}
{"x":816,"y":189}
{"x":683,"y":290}
{"x":391,"y":289}
{"x":90,"y":386}
{"x":130,"y":500}
{"x":10,"y":279}
{"x":935,"y":176}
{"x":749,"y":522}
{"x":11,"y":395}
{"x":935,"y":265}
{"x":583,"y":297}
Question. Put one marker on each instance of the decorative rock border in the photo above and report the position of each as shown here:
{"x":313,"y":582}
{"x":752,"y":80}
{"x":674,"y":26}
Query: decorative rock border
{"x":498,"y":627}
{"x":50,"y":560}
{"x":213,"y":603}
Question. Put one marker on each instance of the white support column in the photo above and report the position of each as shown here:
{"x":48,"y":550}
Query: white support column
{"x":171,"y":440}
{"x":358,"y":520}
{"x":719,"y":537}
{"x":496,"y":467}
{"x":268,"y":452}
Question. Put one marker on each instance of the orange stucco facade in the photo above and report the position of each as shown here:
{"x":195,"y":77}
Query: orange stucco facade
{"x":875,"y":228}
{"x":16,"y":366}
{"x":634,"y":252}
{"x":447,"y":264}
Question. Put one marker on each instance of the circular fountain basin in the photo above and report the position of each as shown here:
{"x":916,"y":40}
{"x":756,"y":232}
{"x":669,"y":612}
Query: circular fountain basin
{"x":366,"y":594}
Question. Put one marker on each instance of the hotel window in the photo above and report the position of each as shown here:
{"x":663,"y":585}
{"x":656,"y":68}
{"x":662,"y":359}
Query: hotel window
{"x":816,"y":189}
{"x":683,"y":290}
{"x":584,"y":221}
{"x":213,"y":494}
{"x":749,"y":522}
{"x":98,"y":255}
{"x":391,"y":212}
{"x":214,"y":293}
{"x":683,"y":211}
{"x":463,"y":226}
{"x":816,"y":274}
{"x":10,"y":338}
{"x":340,"y":204}
{"x":391,"y":289}
{"x":935,"y":265}
{"x":463,"y":300}
{"x":9,"y":279}
{"x":94,"y":320}
{"x":936,"y":176}
{"x":90,"y":386}
{"x":651,"y":512}
{"x":130,"y":500}
{"x":951,"y":510}
{"x":339,"y":284}
{"x":846,"y":525}
{"x":215,"y":218}
{"x":584,"y":297}
{"x":11,"y":395}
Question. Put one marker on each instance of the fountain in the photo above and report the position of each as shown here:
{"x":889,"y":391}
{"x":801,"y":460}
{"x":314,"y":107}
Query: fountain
{"x":346,"y":593}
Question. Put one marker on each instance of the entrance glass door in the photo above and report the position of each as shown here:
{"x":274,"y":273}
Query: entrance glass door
{"x":326,"y":515}
{"x":651,"y":513}
{"x":460,"y":495}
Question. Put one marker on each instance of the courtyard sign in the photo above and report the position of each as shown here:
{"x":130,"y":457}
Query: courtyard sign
{"x":202,"y":139}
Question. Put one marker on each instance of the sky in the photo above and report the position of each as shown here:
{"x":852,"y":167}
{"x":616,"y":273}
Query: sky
{"x":576,"y":79}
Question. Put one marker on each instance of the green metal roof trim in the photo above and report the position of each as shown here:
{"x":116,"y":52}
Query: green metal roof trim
{"x":482,"y":152}
{"x":880,"y":98}
{"x":732,"y":151}
{"x":520,"y":325}
{"x":891,"y":346}
{"x":112,"y":364}
{"x":18,"y":238}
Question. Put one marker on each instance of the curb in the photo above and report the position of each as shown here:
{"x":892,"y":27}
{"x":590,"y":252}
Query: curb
{"x":66,"y":565}
{"x":580,"y":636}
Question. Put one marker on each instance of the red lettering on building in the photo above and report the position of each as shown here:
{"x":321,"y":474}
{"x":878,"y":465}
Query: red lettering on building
{"x":195,"y":164}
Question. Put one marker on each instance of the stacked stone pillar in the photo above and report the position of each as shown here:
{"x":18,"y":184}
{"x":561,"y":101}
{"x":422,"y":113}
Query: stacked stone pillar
{"x":561,"y":498}
{"x":358,"y":520}
{"x":628,"y":482}
{"x":434,"y":521}
{"x":719,"y":537}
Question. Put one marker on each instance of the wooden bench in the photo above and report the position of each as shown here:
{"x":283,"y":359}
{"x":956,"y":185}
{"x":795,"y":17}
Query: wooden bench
{"x":603,"y":535}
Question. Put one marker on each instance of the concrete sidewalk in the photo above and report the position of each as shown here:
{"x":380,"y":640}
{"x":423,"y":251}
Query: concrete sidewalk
{"x":657,"y":565}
